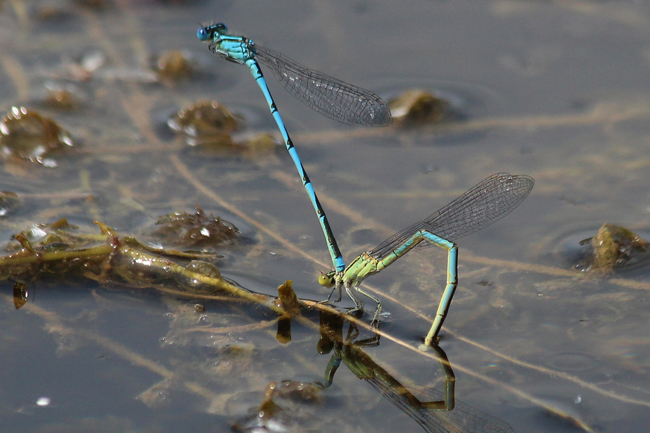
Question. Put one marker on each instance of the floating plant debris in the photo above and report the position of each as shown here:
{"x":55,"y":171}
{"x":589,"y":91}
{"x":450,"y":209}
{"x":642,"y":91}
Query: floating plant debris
{"x":173,"y":66}
{"x":288,"y":299}
{"x":197,"y":229}
{"x":418,"y":107}
{"x":46,"y":251}
{"x":205,"y":122}
{"x":26,"y":135}
{"x":209,"y":125}
{"x":57,"y":235}
{"x":202,"y":268}
{"x":300,"y":391}
{"x":290,"y":415}
{"x":613,"y":248}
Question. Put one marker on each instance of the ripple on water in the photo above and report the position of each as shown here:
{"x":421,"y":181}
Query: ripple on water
{"x":571,"y":361}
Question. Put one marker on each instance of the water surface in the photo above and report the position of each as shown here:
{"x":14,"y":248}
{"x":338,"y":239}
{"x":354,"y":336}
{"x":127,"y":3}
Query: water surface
{"x":558,"y":91}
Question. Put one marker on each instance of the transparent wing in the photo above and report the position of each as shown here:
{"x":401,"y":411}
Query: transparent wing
{"x":331,"y":97}
{"x":462,"y":419}
{"x":490,"y":200}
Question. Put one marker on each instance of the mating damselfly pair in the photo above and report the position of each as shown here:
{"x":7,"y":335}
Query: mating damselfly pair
{"x":480,"y":206}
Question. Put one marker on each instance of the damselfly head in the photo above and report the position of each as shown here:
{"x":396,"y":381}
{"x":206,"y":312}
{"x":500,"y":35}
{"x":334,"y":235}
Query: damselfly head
{"x":206,"y":32}
{"x":203,"y":34}
{"x":326,"y":280}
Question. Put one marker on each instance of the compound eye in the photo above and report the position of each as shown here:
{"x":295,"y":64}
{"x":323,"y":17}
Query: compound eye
{"x":326,"y":280}
{"x":202,"y":34}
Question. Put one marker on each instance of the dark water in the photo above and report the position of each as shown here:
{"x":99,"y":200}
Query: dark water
{"x":555,"y":90}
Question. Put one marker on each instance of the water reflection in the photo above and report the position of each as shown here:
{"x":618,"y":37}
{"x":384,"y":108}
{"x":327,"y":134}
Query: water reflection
{"x":284,"y":406}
